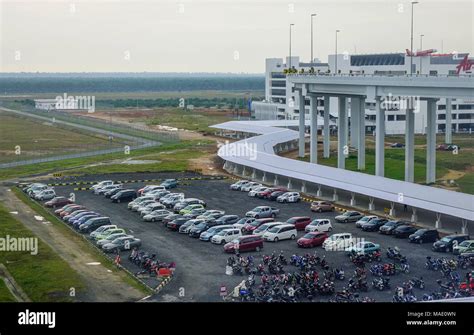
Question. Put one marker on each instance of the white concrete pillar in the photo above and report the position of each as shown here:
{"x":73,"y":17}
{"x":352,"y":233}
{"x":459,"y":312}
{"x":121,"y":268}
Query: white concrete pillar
{"x":301,"y":123}
{"x":303,"y":187}
{"x":379,"y":138}
{"x":346,"y":121}
{"x":464,"y":229}
{"x":236,"y":169}
{"x":392,"y":209}
{"x":409,"y":145}
{"x":361,"y":135}
{"x":355,"y":109}
{"x":275,"y":181}
{"x":289,"y":186}
{"x":244,"y":171}
{"x":431,"y":142}
{"x":254,"y":174}
{"x":314,"y":130}
{"x":335,"y":197}
{"x":264,"y":177}
{"x":371,"y":204}
{"x":341,"y":134}
{"x":414,"y":216}
{"x":449,"y":120}
{"x":438,"y":224}
{"x":319,"y":192}
{"x":326,"y":139}
{"x":353,"y":199}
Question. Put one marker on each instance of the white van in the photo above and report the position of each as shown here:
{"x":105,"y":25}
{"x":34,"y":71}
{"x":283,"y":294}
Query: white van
{"x":321,"y":225}
{"x":281,"y":232}
{"x":338,"y":242}
{"x":264,"y":228}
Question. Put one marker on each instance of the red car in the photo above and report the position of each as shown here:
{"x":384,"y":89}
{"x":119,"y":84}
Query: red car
{"x":244,"y":243}
{"x":265,"y":194}
{"x":248,"y":228}
{"x":59,"y":210}
{"x":58,"y":201}
{"x":300,"y":222}
{"x":312,"y":239}
{"x":70,"y":210}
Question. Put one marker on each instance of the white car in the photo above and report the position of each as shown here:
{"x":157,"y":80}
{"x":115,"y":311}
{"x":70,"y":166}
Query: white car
{"x":150,"y":208}
{"x":103,"y":189}
{"x":142,"y":204}
{"x":102,"y":229}
{"x":139,"y":200}
{"x":156,"y":215}
{"x":250,"y":186}
{"x":264,"y":228}
{"x":365,"y":219}
{"x":32,"y":192}
{"x":280,"y":232}
{"x":253,"y":192}
{"x":321,"y":225}
{"x":151,"y":188}
{"x":236,"y":186}
{"x":101,"y":184}
{"x":47,"y":194}
{"x":226,"y":235}
{"x":289,"y":197}
{"x":338,"y":242}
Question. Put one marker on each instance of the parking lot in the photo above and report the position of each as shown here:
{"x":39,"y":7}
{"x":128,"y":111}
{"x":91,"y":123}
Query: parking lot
{"x":200,"y":266}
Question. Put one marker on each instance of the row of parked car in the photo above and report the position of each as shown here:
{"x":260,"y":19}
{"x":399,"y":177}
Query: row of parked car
{"x":257,"y":190}
{"x":40,"y":191}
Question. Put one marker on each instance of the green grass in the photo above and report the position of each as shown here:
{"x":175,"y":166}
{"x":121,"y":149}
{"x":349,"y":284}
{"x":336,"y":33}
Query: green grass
{"x":43,"y":277}
{"x":466,"y":183}
{"x":38,"y":139}
{"x":5,"y":294}
{"x":86,"y":246}
{"x":191,"y":120}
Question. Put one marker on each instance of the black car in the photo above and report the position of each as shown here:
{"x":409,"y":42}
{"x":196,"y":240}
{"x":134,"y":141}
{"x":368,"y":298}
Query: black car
{"x":227,"y":219}
{"x":176,"y":223}
{"x":110,"y":193}
{"x":202,"y":227}
{"x":446,"y":244}
{"x":373,"y":225}
{"x":274,"y":195}
{"x":124,"y":195}
{"x":404,"y":231}
{"x":390,"y":226}
{"x":93,"y":224}
{"x":424,"y":235}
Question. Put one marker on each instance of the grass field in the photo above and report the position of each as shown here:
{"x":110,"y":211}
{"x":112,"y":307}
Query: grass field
{"x":5,"y":295}
{"x":44,"y":277}
{"x":36,"y":139}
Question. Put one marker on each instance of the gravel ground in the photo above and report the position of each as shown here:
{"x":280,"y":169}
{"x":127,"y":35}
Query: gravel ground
{"x":201,"y":265}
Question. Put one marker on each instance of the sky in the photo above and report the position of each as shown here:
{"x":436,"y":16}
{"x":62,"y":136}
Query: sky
{"x":215,"y":35}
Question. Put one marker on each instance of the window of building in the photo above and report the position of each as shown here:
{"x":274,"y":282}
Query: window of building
{"x":441,"y":116}
{"x":391,"y":117}
{"x":466,"y":107}
{"x":401,"y":117}
{"x":441,"y":107}
{"x":465,"y":116}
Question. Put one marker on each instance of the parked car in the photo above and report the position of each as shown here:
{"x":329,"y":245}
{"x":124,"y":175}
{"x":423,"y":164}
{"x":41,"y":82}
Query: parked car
{"x":448,"y":147}
{"x":236,"y":186}
{"x":249,"y":186}
{"x":70,"y":210}
{"x":124,"y":195}
{"x":112,"y":192}
{"x":349,"y":216}
{"x":263,"y":212}
{"x":214,"y":213}
{"x":110,"y":238}
{"x":37,"y":189}
{"x":28,"y":187}
{"x":264,"y":227}
{"x":149,"y":188}
{"x":73,"y":214}
{"x":64,"y":208}
{"x":109,"y":232}
{"x":151,"y":208}
{"x":226,"y":235}
{"x":424,"y":235}
{"x":447,"y":243}
{"x":57,"y":202}
{"x":122,"y":243}
{"x":186,"y":202}
{"x":101,"y":184}
{"x":93,"y":224}
{"x":176,"y":223}
{"x":208,"y":234}
{"x":77,"y":215}
{"x":186,"y":228}
{"x":281,"y":232}
{"x":138,"y":201}
{"x":169,"y":183}
{"x":197,"y":230}
{"x":464,"y":247}
{"x":312,"y":239}
{"x":77,"y":222}
{"x":159,"y":194}
{"x":300,"y":222}
{"x":404,"y":231}
{"x":46,"y":194}
{"x":103,"y":190}
{"x":142,"y":204}
{"x":253,"y":192}
{"x":364,"y":247}
{"x":227,"y":219}
{"x":264,"y":194}
{"x":274,"y":195}
{"x":373,"y":225}
{"x":170,"y":218}
{"x":156,"y":215}
{"x":244,"y":243}
{"x":389,"y":226}
{"x":289,"y":197}
{"x":338,"y":242}
{"x":253,"y":224}
{"x":321,"y":225}
{"x":172,"y":200}
{"x":397,"y":145}
{"x":188,"y":209}
{"x":322,"y":206}
{"x":365,"y":219}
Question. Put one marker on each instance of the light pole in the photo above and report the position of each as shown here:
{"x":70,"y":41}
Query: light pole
{"x":421,"y":49}
{"x":335,"y":67}
{"x":312,"y":16}
{"x":291,"y":25}
{"x":413,"y":3}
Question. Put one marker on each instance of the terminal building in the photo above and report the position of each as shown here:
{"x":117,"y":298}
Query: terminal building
{"x":280,"y":97}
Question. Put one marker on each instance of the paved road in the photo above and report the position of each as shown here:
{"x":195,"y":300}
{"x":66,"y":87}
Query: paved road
{"x":201,"y":265}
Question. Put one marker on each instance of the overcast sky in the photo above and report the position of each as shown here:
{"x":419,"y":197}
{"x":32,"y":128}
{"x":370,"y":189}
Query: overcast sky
{"x":214,"y":36}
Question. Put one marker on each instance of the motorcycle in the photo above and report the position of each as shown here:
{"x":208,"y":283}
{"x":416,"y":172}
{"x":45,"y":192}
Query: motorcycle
{"x":394,"y":253}
{"x":339,"y":274}
{"x":381,"y":283}
{"x":417,"y":282}
{"x":403,"y":267}
{"x":431,"y":264}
